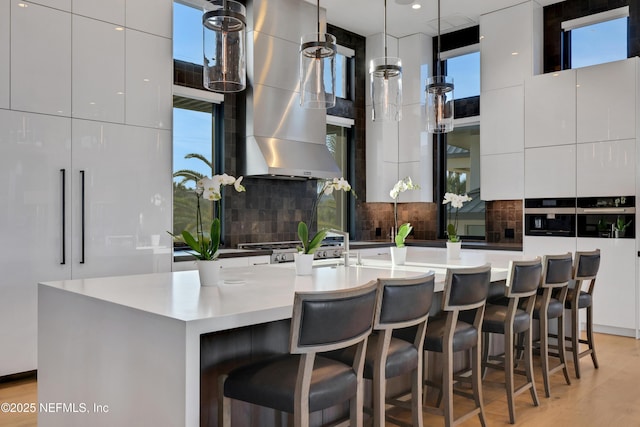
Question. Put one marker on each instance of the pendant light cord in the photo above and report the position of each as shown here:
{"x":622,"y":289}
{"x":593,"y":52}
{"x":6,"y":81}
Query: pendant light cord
{"x":318,"y":17}
{"x":438,"y":63}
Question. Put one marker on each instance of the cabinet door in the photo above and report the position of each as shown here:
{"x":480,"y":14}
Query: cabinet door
{"x":550,"y":171}
{"x":506,"y":49}
{"x":606,"y":101}
{"x":5,"y":51}
{"x":40,"y":59}
{"x":122,"y":194}
{"x":614,"y":296}
{"x":606,"y":168}
{"x":502,"y":121}
{"x":34,"y":155}
{"x":502,"y":176}
{"x":550,"y":109}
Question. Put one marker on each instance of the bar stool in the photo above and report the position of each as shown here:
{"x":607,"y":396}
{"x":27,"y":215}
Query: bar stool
{"x":303,"y":381}
{"x":511,"y":320}
{"x":465,"y":289}
{"x":556,"y":274}
{"x":585,"y":269}
{"x":403,"y":305}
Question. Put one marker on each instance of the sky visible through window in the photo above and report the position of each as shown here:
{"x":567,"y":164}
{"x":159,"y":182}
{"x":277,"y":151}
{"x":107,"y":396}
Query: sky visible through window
{"x":465,"y":70}
{"x":599,"y":43}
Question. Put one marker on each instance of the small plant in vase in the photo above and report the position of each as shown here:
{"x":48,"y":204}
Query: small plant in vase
{"x":455,"y":201}
{"x":304,"y":257}
{"x":620,"y":227}
{"x":205,"y":245}
{"x":399,"y":252}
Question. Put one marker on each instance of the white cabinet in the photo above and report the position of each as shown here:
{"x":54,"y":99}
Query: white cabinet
{"x":550,"y":171}
{"x":44,"y":161}
{"x":34,"y":150}
{"x":534,"y":246}
{"x":606,"y":168}
{"x":506,"y":47}
{"x":148,"y":79}
{"x":150,"y":16}
{"x":369,"y":252}
{"x":124,"y":206}
{"x":107,"y":11}
{"x":40,"y":59}
{"x":606,"y":101}
{"x":615,"y":293}
{"x":502,"y":118}
{"x":550,"y":109}
{"x":502,"y":176}
{"x":245,"y":261}
{"x":100,"y":93}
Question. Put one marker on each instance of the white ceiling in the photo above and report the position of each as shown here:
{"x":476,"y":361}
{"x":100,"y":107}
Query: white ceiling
{"x":365,"y":17}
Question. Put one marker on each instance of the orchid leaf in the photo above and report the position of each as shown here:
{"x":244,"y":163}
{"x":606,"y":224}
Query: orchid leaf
{"x":403,"y":232}
{"x":316,"y":241}
{"x":303,"y":234}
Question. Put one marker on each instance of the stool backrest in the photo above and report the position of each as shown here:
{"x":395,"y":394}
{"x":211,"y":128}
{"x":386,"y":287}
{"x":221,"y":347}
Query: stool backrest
{"x":524,"y":278}
{"x":586,"y":265}
{"x":403,"y":302}
{"x":466,"y":288}
{"x":325,"y":321}
{"x":556,"y":270}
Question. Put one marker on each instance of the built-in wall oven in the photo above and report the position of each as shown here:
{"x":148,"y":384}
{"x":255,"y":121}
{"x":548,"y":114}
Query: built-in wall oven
{"x":607,"y":217}
{"x":550,"y":217}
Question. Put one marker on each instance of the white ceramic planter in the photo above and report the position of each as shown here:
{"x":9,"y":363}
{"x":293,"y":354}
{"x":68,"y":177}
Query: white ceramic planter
{"x":209,"y":272}
{"x":304,"y":264}
{"x":453,"y":250}
{"x":398,"y":255}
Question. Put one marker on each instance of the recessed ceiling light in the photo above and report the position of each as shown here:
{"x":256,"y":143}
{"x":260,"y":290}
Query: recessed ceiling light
{"x":555,"y":74}
{"x":481,"y":37}
{"x":416,"y":6}
{"x":514,"y":53}
{"x":23,"y":5}
{"x":119,"y":29}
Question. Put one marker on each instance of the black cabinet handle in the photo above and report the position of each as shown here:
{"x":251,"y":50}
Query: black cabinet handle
{"x":82,"y":217}
{"x":64,"y":227}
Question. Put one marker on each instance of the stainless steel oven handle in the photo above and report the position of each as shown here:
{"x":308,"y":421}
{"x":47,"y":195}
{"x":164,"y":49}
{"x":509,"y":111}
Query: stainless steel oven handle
{"x":544,"y":211}
{"x":605,"y":211}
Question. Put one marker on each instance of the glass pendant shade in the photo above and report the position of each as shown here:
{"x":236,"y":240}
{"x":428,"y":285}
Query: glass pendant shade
{"x":439,"y":94}
{"x":318,"y":70}
{"x":224,"y":30}
{"x":386,"y":89}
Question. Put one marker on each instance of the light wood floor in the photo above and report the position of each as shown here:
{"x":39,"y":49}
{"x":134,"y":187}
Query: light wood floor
{"x":609,"y":396}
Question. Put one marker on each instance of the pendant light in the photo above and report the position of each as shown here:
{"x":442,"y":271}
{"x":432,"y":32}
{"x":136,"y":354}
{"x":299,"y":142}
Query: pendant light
{"x":386,"y":83}
{"x":223,"y":31}
{"x":318,"y":68}
{"x":439,"y":95}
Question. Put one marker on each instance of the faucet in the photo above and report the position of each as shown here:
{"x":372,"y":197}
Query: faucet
{"x":345,"y":237}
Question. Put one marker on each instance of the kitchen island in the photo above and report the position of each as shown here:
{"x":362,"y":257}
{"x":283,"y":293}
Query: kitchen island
{"x":133,"y":350}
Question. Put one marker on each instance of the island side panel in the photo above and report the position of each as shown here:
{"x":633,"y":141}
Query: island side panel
{"x":94,"y":352}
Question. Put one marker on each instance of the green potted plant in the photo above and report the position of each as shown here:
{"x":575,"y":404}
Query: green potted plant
{"x":453,"y":239}
{"x":620,"y":227}
{"x":204,"y":245}
{"x":304,"y":256}
{"x":399,"y":234}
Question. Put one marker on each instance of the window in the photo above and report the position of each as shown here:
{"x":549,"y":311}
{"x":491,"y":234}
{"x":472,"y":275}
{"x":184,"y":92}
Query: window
{"x":463,"y":177}
{"x":465,"y":70}
{"x":187,"y":33}
{"x":344,"y":60}
{"x":595,"y":39}
{"x":193,"y":130}
{"x":332,"y":209}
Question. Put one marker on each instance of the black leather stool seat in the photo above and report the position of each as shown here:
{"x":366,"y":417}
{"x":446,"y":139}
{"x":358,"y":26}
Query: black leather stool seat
{"x":495,"y":317}
{"x":584,"y":300}
{"x":555,"y":310}
{"x":464,"y":337}
{"x":402,"y":357}
{"x":272,"y":383}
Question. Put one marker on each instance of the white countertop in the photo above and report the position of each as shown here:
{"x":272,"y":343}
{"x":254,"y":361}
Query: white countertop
{"x":250,"y":295}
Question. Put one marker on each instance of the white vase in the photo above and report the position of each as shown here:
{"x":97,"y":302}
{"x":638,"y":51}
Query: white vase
{"x":304,"y":264}
{"x":209,"y":271}
{"x":398,"y":255}
{"x":453,"y":250}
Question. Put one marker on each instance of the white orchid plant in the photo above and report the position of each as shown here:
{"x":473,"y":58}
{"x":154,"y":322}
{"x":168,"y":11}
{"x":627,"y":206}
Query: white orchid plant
{"x":309,"y":246}
{"x":205,"y":246}
{"x":403,"y":231}
{"x":455,"y":201}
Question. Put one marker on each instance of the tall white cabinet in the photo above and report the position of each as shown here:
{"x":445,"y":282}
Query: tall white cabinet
{"x":86,"y":171}
{"x":581,"y":137}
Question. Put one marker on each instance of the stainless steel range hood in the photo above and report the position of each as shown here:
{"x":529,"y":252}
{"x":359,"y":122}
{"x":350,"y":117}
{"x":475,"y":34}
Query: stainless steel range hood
{"x":282,"y":138}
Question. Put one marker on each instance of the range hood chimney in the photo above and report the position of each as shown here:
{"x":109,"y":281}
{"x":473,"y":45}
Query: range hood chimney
{"x":282,"y":138}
